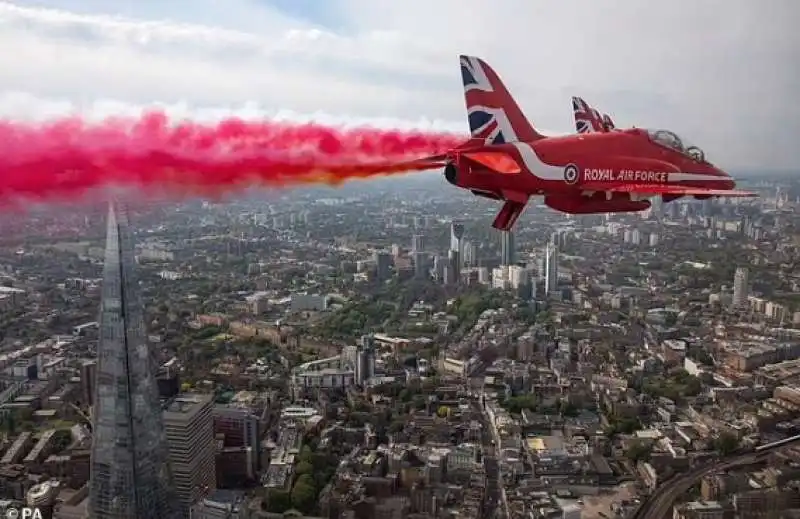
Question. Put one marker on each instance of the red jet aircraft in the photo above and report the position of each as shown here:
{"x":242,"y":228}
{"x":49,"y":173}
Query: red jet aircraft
{"x":599,"y":172}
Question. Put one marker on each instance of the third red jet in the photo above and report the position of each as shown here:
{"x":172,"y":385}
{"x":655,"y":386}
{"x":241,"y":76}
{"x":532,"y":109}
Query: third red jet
{"x":588,"y":120}
{"x":595,"y":171}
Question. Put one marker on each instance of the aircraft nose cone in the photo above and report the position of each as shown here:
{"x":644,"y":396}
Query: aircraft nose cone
{"x":724,"y":181}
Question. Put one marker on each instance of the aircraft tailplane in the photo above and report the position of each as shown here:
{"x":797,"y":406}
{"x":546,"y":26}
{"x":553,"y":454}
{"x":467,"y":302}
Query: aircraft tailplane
{"x":494,"y":116}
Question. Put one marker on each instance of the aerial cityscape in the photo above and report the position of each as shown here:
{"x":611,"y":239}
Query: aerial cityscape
{"x":379,"y":351}
{"x":272,"y":259}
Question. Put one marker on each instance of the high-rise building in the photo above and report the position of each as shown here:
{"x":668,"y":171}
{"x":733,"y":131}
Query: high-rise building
{"x":457,"y":237}
{"x":130,"y":474}
{"x":740,"y":287}
{"x":454,"y":265}
{"x":383,"y":265}
{"x":421,"y":264}
{"x":508,"y":253}
{"x":519,"y":279}
{"x":551,"y":268}
{"x":239,"y":427}
{"x":469,"y":259}
{"x":189,"y":422}
{"x":438,"y":270}
{"x":417,"y":243}
{"x":88,"y":381}
{"x":560,"y":238}
{"x":707,"y":208}
{"x":365,"y":360}
{"x":656,"y":207}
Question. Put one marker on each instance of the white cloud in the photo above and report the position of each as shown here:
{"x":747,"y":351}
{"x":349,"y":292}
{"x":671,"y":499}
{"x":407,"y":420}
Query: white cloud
{"x":723,"y":72}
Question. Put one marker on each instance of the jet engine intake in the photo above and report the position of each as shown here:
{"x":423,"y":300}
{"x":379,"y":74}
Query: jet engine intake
{"x":451,"y":173}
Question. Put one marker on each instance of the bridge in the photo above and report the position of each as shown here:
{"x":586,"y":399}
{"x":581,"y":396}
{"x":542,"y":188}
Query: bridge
{"x":660,"y":502}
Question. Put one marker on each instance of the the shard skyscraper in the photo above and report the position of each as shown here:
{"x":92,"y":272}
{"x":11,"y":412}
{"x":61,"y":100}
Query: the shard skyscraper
{"x":130,"y":476}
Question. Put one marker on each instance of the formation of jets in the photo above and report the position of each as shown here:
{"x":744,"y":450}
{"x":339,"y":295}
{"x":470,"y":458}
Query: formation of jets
{"x":599,"y":169}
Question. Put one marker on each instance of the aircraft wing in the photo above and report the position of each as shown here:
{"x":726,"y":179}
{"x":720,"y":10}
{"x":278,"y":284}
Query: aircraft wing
{"x":666,"y":189}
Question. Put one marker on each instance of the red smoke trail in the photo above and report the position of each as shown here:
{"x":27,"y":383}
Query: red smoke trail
{"x":70,"y":157}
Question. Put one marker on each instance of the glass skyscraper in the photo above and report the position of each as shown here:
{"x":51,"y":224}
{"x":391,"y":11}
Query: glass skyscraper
{"x":130,"y":476}
{"x":508,"y":252}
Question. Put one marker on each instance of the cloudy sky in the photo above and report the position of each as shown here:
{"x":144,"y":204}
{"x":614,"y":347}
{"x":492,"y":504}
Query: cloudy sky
{"x":725,"y":74}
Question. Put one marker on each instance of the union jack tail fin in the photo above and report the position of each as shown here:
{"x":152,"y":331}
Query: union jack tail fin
{"x":494,"y":116}
{"x":608,"y":124}
{"x":588,"y":120}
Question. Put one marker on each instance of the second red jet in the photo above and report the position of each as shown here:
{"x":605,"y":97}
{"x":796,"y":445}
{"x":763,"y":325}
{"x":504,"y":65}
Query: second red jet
{"x":595,"y":172}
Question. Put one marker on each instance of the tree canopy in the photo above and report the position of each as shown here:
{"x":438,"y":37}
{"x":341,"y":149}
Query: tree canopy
{"x":357,"y":318}
{"x":726,"y":443}
{"x":676,"y":387}
{"x":469,"y":307}
{"x":639,"y":451}
{"x":304,"y":493}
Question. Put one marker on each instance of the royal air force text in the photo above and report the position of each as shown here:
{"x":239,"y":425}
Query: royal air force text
{"x":625,"y":175}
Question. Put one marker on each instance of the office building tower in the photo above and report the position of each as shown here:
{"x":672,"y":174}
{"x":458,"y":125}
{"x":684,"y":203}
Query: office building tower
{"x":740,"y":287}
{"x":447,"y":275}
{"x":656,"y":207}
{"x":417,"y":243}
{"x":421,"y":265}
{"x":454,"y":266}
{"x":189,"y":423}
{"x":674,"y":210}
{"x":707,"y":208}
{"x":438,"y":270}
{"x":365,"y":360}
{"x":457,"y":237}
{"x":168,"y":380}
{"x":632,"y":236}
{"x":551,"y":269}
{"x":519,"y":279}
{"x":469,"y":259}
{"x":130,"y":476}
{"x":383,"y":265}
{"x":88,"y":381}
{"x":560,"y":238}
{"x":508,"y":254}
{"x":238,"y":427}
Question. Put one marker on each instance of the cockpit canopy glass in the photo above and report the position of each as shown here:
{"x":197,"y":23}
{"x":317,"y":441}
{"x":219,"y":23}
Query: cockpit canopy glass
{"x":671,"y":140}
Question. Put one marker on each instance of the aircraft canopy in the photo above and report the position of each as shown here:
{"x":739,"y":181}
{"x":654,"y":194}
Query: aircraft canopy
{"x":671,"y":140}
